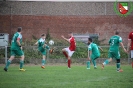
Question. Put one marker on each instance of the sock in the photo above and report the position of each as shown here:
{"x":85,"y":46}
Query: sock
{"x":21,"y":64}
{"x":65,"y":54}
{"x":47,"y":47}
{"x":69,"y":63}
{"x":88,"y":64}
{"x":118,"y":66}
{"x":106,"y":62}
{"x":7,"y":64}
{"x":94,"y":62}
{"x":132,"y":64}
{"x":43,"y":62}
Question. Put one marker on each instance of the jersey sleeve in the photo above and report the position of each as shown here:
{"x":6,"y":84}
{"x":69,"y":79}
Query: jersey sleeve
{"x":109,"y":41}
{"x":120,"y":39}
{"x":19,"y":37}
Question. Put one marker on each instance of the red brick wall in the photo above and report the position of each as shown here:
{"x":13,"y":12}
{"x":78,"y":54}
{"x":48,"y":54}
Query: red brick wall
{"x":61,"y":25}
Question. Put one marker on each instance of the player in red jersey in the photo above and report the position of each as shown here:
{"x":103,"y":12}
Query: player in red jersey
{"x":130,"y":45}
{"x":68,"y":52}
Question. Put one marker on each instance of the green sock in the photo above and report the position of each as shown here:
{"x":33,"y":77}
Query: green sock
{"x":118,"y":66}
{"x":7,"y":64}
{"x":21,"y":64}
{"x":47,"y":47}
{"x":94,"y":62}
{"x":88,"y":64}
{"x":43,"y":62}
{"x":106,"y":62}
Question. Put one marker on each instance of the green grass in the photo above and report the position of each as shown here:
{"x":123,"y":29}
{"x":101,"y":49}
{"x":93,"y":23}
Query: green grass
{"x":60,"y":77}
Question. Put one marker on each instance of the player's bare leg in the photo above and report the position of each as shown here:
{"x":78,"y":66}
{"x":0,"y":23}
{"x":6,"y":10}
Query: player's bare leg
{"x":43,"y":62}
{"x":8,"y":63}
{"x":22,"y":63}
{"x":106,"y":62}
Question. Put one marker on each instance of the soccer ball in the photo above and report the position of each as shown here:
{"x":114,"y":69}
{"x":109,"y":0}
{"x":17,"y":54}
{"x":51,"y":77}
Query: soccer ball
{"x":51,"y":42}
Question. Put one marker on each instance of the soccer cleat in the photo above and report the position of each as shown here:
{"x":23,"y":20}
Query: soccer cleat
{"x":120,"y":70}
{"x":51,"y":50}
{"x":21,"y":69}
{"x":102,"y":66}
{"x":43,"y":67}
{"x":88,"y":68}
{"x":69,"y":68}
{"x":95,"y":67}
{"x":5,"y":69}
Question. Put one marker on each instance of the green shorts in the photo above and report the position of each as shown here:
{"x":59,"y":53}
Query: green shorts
{"x":17,"y":52}
{"x":42,"y":50}
{"x":113,"y":55}
{"x":94,"y":56}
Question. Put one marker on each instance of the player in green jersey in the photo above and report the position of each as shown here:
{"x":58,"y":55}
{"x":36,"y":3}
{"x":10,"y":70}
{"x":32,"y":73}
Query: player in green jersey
{"x":43,"y":47}
{"x":114,"y":42}
{"x":93,"y":53}
{"x":16,"y":49}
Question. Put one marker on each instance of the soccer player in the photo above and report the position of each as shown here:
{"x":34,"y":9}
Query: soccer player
{"x":114,"y":42}
{"x":43,"y":47}
{"x":130,"y":45}
{"x":93,"y":53}
{"x":68,"y":52}
{"x":16,"y":49}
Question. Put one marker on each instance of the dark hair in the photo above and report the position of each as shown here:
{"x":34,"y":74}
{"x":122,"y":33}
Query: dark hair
{"x":116,"y":32}
{"x":90,"y":39}
{"x":43,"y":35}
{"x":70,"y":32}
{"x":19,"y":29}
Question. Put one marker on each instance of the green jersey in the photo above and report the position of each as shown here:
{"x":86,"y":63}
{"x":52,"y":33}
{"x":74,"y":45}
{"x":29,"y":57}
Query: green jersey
{"x":94,"y":48}
{"x":114,"y":43}
{"x":41,"y":42}
{"x":14,"y":44}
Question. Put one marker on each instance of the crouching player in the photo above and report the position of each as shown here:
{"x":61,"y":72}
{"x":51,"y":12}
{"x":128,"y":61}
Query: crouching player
{"x":93,"y":53}
{"x":43,"y":47}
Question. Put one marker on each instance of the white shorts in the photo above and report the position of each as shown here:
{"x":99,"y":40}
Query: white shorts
{"x":131,"y":53}
{"x":70,"y":53}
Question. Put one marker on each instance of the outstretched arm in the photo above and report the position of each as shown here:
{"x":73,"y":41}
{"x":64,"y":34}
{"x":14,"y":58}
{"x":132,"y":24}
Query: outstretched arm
{"x":65,"y":38}
{"x":36,"y":43}
{"x":123,"y":47}
{"x":128,"y":45}
{"x":100,"y":48}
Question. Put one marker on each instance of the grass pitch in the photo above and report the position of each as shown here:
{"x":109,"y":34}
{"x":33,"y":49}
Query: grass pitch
{"x":61,"y":77}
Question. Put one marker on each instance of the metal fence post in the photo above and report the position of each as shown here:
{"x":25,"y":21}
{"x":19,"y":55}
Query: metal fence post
{"x":5,"y":54}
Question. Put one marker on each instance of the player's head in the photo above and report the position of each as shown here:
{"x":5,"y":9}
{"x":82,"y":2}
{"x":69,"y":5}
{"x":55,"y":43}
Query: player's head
{"x":116,"y":32}
{"x":43,"y":36}
{"x":19,"y":29}
{"x":89,"y":40}
{"x":70,"y":34}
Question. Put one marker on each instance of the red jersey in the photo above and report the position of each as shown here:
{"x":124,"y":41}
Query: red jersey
{"x":131,"y":37}
{"x":72,"y":46}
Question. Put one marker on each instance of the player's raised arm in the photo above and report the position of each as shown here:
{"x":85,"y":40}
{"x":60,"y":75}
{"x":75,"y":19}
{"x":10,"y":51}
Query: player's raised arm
{"x":123,"y":47}
{"x":65,"y":38}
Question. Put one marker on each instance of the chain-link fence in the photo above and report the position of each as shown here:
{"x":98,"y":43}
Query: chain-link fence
{"x":33,"y":56}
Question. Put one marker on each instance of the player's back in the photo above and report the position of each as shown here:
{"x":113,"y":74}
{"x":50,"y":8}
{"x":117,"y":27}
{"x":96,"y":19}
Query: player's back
{"x":14,"y":45}
{"x":114,"y":43}
{"x":94,"y":49}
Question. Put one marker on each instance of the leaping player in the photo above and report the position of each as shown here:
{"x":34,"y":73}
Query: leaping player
{"x":68,"y":52}
{"x":43,"y":47}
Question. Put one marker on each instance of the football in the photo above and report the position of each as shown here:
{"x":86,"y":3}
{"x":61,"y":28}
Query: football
{"x":51,"y":42}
